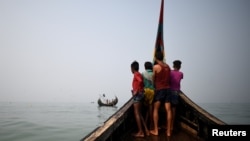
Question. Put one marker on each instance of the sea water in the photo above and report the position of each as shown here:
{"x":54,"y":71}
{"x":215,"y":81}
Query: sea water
{"x":73,"y":121}
{"x":50,"y":121}
{"x":230,"y":113}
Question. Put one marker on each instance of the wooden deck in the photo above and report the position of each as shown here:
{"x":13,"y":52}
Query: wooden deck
{"x":177,"y":136}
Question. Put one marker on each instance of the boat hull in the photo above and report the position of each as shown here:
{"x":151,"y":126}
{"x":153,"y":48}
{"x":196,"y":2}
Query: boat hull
{"x":192,"y":123}
{"x":108,"y":102}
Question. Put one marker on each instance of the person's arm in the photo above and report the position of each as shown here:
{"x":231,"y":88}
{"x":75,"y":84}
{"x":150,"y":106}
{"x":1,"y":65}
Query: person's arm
{"x":153,"y":75}
{"x":155,"y":70}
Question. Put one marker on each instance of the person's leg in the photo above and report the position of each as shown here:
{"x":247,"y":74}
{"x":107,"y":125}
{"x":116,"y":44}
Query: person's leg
{"x":155,"y":117}
{"x":150,"y":108}
{"x":169,"y":117}
{"x":138,"y":119}
{"x":144,"y":125}
{"x":174,"y":103}
{"x":147,"y":115}
{"x":145,"y":107}
{"x":150,"y":116}
{"x":168,"y":110}
{"x":173,"y":117}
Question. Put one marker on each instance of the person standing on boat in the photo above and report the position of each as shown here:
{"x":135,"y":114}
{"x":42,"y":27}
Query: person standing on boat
{"x":161,"y":79}
{"x":175,"y":84}
{"x":148,"y":92}
{"x":137,"y":92}
{"x":102,"y":98}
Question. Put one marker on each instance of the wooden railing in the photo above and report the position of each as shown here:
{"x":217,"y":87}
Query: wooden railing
{"x":195,"y":119}
{"x":114,"y":126}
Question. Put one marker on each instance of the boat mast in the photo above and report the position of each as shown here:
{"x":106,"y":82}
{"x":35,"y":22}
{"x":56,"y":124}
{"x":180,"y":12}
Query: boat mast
{"x":159,"y":43}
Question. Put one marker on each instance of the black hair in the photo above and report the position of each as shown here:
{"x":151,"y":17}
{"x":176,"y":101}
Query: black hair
{"x":159,"y":56}
{"x":177,"y":64}
{"x":148,"y":65}
{"x":135,"y":66}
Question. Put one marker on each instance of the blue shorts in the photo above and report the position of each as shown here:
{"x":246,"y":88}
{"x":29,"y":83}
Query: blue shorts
{"x":138,"y":97}
{"x":175,"y":97}
{"x":163,"y":95}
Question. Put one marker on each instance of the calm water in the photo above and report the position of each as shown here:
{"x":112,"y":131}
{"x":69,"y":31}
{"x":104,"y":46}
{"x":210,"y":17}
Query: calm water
{"x":231,"y":113}
{"x":50,"y":121}
{"x":72,"y":121}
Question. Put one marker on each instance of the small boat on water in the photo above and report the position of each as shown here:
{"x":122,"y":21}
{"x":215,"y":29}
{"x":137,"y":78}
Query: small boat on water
{"x":103,"y":101}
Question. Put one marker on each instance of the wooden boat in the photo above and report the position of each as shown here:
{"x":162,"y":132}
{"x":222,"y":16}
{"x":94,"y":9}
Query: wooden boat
{"x":107,"y":102}
{"x":192,"y":124}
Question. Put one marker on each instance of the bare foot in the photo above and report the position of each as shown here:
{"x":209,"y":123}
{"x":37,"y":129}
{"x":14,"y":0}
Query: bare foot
{"x":168,"y":134}
{"x":147,"y":133}
{"x":153,"y":132}
{"x":138,"y":135}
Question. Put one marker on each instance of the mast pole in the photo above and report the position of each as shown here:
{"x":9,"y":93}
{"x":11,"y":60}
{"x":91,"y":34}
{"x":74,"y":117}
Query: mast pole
{"x":159,"y":43}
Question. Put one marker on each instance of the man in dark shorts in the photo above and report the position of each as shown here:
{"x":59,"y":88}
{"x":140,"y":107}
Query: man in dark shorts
{"x":161,"y":79}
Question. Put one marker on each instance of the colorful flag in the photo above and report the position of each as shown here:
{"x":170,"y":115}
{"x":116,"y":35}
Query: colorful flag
{"x":159,"y":44}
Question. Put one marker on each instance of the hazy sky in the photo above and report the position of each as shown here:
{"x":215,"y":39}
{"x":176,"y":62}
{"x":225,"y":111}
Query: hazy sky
{"x":74,"y":50}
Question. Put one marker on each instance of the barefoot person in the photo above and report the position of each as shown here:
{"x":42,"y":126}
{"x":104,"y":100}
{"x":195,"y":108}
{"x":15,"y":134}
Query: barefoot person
{"x":137,"y":92}
{"x":161,"y":79}
{"x":175,"y":83}
{"x":148,"y":92}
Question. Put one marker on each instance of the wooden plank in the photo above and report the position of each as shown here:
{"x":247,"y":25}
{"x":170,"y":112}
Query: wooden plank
{"x":201,"y":110}
{"x":111,"y":124}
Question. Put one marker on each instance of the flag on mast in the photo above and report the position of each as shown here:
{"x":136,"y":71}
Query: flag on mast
{"x":159,"y":44}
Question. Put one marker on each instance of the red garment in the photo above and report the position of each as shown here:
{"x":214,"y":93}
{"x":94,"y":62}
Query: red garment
{"x":137,"y":83}
{"x":162,"y":78}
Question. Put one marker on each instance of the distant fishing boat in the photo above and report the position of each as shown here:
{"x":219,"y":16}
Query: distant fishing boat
{"x":103,"y":101}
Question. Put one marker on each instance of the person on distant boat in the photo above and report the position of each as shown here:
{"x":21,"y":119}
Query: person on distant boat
{"x":161,"y":79}
{"x":102,"y":98}
{"x":148,"y":92}
{"x":175,"y":84}
{"x":137,"y":93}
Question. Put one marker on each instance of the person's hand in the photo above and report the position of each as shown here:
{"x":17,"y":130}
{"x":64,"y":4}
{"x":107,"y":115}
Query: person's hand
{"x":133,"y":92}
